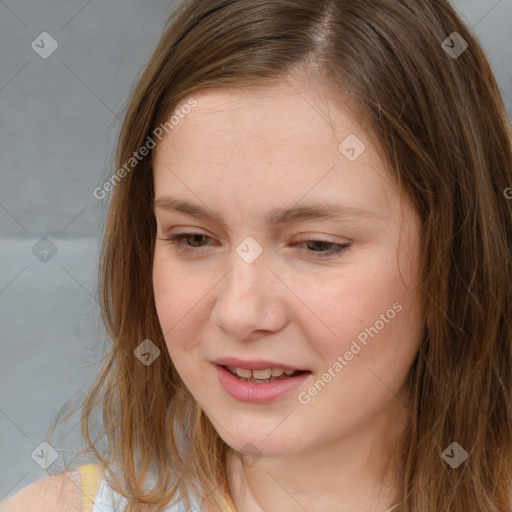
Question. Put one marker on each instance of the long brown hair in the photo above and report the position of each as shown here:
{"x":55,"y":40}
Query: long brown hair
{"x":441,"y":125}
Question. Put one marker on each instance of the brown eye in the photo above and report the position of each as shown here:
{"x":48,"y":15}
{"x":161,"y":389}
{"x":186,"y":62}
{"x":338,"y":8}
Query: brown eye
{"x":177,"y":239}
{"x":317,"y":248}
{"x":196,"y":239}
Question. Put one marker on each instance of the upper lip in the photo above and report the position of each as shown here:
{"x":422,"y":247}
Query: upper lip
{"x":255,"y":364}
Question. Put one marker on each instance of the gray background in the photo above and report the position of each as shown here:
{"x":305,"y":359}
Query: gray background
{"x":59,"y":120}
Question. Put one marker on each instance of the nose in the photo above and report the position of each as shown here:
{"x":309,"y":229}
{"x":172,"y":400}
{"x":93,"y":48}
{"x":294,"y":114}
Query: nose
{"x":251,"y":301}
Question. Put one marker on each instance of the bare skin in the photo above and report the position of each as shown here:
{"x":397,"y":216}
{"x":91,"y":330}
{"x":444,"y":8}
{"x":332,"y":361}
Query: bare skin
{"x":57,"y":493}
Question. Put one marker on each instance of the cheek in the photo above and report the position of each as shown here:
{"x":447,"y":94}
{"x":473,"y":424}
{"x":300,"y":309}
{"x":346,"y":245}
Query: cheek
{"x":374,"y":304}
{"x":177,"y":299}
{"x":176,"y":289}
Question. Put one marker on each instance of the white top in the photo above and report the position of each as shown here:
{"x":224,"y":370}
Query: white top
{"x":107,"y":500}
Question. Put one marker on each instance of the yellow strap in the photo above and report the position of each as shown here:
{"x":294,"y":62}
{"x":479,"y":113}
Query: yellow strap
{"x":90,"y":478}
{"x":227,"y":506}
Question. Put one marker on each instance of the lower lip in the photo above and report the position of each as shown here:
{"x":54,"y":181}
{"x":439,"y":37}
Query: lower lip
{"x":254,"y":392}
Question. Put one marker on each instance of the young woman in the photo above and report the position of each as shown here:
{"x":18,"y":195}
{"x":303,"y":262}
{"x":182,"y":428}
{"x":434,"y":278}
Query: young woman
{"x":306,"y":271}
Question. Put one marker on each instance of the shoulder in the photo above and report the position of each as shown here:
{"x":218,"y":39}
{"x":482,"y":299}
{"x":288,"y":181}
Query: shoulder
{"x":56,"y":493}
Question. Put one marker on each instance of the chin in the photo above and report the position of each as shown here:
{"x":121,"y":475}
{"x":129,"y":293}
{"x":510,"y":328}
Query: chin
{"x":258,"y":443}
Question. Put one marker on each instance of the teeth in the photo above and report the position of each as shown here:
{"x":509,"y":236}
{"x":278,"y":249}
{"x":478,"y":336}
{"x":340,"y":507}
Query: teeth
{"x":262,"y":374}
{"x":241,"y":372}
{"x":259,"y":374}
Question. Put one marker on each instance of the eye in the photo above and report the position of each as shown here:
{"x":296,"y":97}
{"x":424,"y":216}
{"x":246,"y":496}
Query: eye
{"x":335,"y":248}
{"x":179,"y":237}
{"x":196,"y":240}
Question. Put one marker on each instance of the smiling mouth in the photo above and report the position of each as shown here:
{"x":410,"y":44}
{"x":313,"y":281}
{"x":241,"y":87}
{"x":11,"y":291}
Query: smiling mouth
{"x":263,"y":376}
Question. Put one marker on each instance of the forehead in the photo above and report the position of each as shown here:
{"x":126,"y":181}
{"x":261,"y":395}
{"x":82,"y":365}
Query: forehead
{"x":279,"y":142}
{"x":287,"y":112}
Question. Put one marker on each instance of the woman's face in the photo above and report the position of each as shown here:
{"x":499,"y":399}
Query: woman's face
{"x":269,"y":289}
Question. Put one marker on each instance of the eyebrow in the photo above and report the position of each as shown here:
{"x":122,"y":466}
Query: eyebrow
{"x":277,"y":216}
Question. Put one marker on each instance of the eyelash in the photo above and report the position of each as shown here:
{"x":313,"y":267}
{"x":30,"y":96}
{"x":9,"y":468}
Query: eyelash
{"x":177,"y":238}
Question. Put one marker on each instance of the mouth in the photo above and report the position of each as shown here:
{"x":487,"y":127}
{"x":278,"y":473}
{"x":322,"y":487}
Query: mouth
{"x":264,"y":375}
{"x":261,"y":385}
